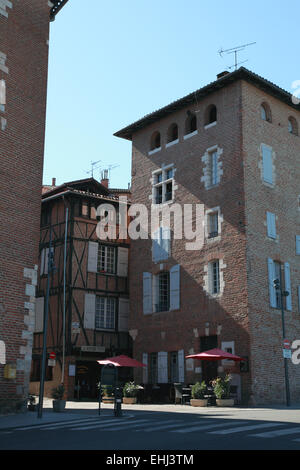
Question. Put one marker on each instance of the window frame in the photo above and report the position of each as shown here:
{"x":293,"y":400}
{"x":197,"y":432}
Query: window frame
{"x":105,"y":313}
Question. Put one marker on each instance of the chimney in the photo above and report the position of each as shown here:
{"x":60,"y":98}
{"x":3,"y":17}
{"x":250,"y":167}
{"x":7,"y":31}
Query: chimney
{"x":104,"y":178}
{"x":222,"y":74}
{"x":53,"y":181}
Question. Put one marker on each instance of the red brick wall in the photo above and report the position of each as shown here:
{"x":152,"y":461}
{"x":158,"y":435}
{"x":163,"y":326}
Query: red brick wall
{"x":23,"y":38}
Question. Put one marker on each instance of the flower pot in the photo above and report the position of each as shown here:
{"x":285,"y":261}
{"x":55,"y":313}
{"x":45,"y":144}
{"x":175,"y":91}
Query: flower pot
{"x":199,"y":401}
{"x":59,"y":405}
{"x":129,"y":400}
{"x":225,"y":402}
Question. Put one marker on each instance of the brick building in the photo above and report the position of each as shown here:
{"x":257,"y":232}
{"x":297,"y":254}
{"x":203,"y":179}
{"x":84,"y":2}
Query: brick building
{"x":24,"y":35}
{"x":88,"y":290}
{"x":231,"y":148}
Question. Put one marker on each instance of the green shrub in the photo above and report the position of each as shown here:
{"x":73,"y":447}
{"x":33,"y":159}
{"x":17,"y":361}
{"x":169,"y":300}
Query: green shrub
{"x":130,"y":389}
{"x":198,"y":390}
{"x":58,"y":392}
{"x":221,"y":386}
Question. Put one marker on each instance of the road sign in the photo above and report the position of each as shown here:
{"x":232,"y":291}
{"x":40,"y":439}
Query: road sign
{"x":52,"y":355}
{"x":51,"y":362}
{"x":287,"y":353}
{"x":287,"y":344}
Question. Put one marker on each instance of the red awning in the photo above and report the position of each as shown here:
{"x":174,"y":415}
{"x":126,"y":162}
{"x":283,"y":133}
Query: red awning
{"x":214,"y":355}
{"x":121,"y":361}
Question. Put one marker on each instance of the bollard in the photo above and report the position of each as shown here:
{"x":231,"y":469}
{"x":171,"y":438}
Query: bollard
{"x":118,"y":401}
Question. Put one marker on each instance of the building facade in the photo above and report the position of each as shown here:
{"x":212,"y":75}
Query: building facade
{"x":228,"y":150}
{"x":88,"y":301}
{"x":23,"y":86}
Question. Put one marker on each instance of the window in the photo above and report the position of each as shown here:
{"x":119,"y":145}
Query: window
{"x":162,"y":294}
{"x":155,"y":141}
{"x":213,"y":167}
{"x":214,"y":277}
{"x":105,"y":313}
{"x":210,"y":115}
{"x":161,"y":244}
{"x":45,"y":218}
{"x":265,"y":112}
{"x":213,"y":225}
{"x":280,"y":271}
{"x":163,"y":185}
{"x":174,"y":376}
{"x":293,"y":126}
{"x":190,"y":123}
{"x":106,"y":259}
{"x":271,"y":225}
{"x":35,"y":374}
{"x":172,"y":133}
{"x":153,"y":368}
{"x":267,"y":163}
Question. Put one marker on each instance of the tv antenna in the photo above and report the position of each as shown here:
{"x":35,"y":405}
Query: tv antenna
{"x":93,"y":167}
{"x":235,"y":51}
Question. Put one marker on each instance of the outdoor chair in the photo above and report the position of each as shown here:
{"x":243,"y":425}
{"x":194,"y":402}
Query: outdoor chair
{"x":179,"y":394}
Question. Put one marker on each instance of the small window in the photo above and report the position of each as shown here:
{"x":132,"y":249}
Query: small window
{"x":213,"y":166}
{"x":190,"y":123}
{"x":210,"y":115}
{"x":174,"y":371}
{"x":153,"y":368}
{"x":163,"y":292}
{"x":155,"y":141}
{"x":172,"y":133}
{"x":213,"y":225}
{"x":293,"y":126}
{"x":163,"y":186}
{"x":214,"y":277}
{"x":105,"y":313}
{"x":106,"y":259}
{"x":265,"y":112}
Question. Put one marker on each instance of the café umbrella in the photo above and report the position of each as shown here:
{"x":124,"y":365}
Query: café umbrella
{"x":121,"y":361}
{"x":214,"y":355}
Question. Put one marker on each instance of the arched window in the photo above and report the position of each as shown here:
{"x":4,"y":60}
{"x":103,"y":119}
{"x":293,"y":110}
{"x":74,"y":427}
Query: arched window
{"x":265,"y":112}
{"x":190,"y":123}
{"x":172,"y":133}
{"x":155,"y":141}
{"x":210,"y":115}
{"x":293,"y":126}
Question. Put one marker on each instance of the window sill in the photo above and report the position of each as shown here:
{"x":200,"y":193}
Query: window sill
{"x":212,"y":124}
{"x":170,"y":144}
{"x":163,"y":203}
{"x":154,"y":151}
{"x":191,"y":134}
{"x":213,"y":239}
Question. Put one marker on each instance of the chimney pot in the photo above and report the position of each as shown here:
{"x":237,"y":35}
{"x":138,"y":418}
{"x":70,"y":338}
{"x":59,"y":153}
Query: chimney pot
{"x":53,"y":181}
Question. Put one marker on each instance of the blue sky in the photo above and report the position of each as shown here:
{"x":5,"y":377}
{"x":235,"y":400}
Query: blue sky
{"x":111,"y":63}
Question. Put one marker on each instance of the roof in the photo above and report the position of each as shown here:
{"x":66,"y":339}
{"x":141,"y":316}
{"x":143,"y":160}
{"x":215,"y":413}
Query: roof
{"x":240,"y":74}
{"x":57,"y":6}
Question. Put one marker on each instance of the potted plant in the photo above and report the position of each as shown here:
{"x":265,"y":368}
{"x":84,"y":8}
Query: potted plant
{"x":130,"y":391}
{"x":198,"y":393}
{"x":107,"y":394}
{"x":221,"y":388}
{"x":59,"y":403}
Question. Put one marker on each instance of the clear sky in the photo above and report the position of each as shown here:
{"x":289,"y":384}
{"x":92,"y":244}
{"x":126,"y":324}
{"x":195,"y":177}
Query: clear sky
{"x":112,"y":62}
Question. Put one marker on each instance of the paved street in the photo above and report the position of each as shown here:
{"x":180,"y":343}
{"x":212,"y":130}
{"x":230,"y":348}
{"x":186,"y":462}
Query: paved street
{"x":153,"y":427}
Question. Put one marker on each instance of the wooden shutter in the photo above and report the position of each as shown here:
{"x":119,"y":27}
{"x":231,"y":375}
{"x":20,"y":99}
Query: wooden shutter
{"x":2,"y":353}
{"x":271,"y":225}
{"x":162,"y":367}
{"x":272,"y":292}
{"x":287,"y":277}
{"x":145,"y":369}
{"x":39,"y":314}
{"x":267,"y":164}
{"x":175,"y":287}
{"x":297,"y":244}
{"x":147,"y":293}
{"x":123,"y":314}
{"x":93,"y":257}
{"x":89,"y":311}
{"x":122,"y":269}
{"x":181,"y":366}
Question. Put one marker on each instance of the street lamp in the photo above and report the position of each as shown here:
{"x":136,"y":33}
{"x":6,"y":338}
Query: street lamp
{"x":278,"y":288}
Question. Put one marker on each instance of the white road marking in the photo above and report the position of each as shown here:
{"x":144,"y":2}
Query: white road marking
{"x":246,"y":428}
{"x":208,"y":426}
{"x":60,"y":423}
{"x":282,"y":432}
{"x":167,"y":426}
{"x":120,"y":423}
{"x":84,"y":422}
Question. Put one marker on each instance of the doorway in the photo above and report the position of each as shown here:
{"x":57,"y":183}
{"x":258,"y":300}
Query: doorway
{"x":209,"y":368}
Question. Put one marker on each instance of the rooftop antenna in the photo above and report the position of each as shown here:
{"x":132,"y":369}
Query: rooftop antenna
{"x":235,"y":50}
{"x":93,"y":164}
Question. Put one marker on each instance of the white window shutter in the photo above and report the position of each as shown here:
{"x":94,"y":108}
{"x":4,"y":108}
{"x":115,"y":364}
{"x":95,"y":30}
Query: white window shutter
{"x":156,"y":246}
{"x":272,"y":292}
{"x":181,"y":366}
{"x":299,"y":299}
{"x":42,"y":267}
{"x":147,"y":293}
{"x":287,"y":277}
{"x":123,"y":314}
{"x":165,"y":242}
{"x":145,"y":369}
{"x":175,"y":287}
{"x":297,"y":244}
{"x":271,"y":225}
{"x":162,"y":367}
{"x":267,"y":164}
{"x":39,"y":315}
{"x":93,"y":257}
{"x":122,"y":268}
{"x":89,"y":311}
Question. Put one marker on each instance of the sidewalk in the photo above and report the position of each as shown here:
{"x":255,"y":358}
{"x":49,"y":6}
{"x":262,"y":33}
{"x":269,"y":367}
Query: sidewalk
{"x":79,"y":410}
